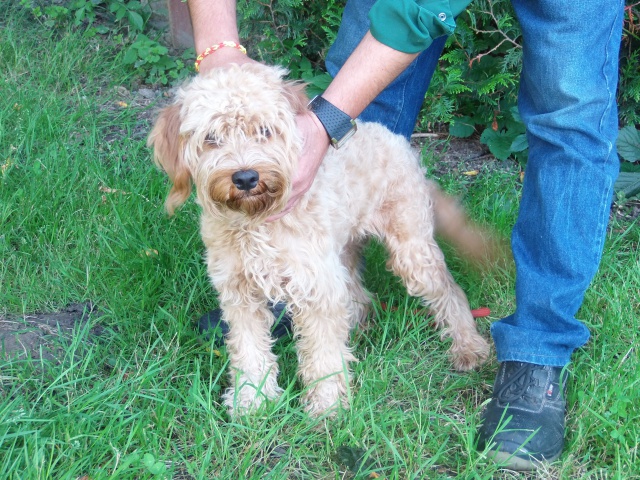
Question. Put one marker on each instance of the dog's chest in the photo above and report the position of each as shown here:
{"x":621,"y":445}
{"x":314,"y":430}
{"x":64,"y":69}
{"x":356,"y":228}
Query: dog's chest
{"x":259,"y":254}
{"x":264,"y":260}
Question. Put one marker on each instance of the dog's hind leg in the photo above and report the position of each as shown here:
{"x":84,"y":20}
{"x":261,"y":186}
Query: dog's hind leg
{"x":254,"y":368}
{"x":414,"y":255}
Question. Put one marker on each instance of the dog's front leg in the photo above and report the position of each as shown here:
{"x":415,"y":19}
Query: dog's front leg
{"x":322,"y":331}
{"x":254,"y":368}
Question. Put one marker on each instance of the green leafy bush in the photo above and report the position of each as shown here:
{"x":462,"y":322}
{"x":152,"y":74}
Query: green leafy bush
{"x":286,"y":31}
{"x":629,"y":86}
{"x":130,"y":13}
{"x":477,"y":81}
{"x":292,"y":33}
{"x":152,"y":61}
{"x":126,"y":21}
{"x":135,"y":14}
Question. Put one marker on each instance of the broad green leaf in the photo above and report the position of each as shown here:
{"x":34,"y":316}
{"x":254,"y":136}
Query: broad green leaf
{"x":462,"y":127}
{"x":629,"y":143}
{"x":519,"y":144}
{"x":136,"y":20}
{"x":515,"y":113}
{"x":131,"y":56}
{"x":499,"y":143}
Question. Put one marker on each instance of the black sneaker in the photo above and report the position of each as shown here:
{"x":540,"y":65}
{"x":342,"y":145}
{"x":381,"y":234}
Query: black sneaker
{"x":214,"y":329}
{"x":523,"y":425}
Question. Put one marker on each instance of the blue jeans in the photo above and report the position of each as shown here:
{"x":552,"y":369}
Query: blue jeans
{"x":567,"y":102}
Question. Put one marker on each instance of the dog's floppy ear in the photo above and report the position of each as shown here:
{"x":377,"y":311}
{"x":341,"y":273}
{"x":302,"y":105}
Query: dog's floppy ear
{"x":294,"y":92}
{"x":168,"y":153}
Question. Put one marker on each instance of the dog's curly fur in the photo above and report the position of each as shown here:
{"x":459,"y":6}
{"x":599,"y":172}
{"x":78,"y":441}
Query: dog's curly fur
{"x":242,"y":118}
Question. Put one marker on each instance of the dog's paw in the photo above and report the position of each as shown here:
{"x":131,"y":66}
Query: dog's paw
{"x":326,"y":398}
{"x":471,"y":354}
{"x":247,"y":399}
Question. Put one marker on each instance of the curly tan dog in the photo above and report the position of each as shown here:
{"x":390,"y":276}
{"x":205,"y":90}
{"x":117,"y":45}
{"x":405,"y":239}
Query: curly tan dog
{"x":233,"y":134}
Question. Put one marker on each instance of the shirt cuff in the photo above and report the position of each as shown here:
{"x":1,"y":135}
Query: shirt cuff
{"x":410,"y":26}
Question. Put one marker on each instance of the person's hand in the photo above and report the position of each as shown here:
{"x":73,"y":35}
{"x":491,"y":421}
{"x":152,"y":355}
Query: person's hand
{"x":315,"y":146}
{"x":221,"y":57}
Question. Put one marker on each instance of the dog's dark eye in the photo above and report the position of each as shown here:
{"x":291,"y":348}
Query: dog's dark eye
{"x":265,"y":132}
{"x":212,"y":140}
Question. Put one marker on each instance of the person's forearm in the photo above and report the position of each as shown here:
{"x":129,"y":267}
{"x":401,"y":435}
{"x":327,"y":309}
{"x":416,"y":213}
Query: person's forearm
{"x":370,"y":68}
{"x":213,"y":21}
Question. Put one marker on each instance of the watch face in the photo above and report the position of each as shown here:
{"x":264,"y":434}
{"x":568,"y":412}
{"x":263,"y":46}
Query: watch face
{"x":337,"y":143}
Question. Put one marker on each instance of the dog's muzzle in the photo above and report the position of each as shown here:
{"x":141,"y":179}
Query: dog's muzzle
{"x":245,"y":179}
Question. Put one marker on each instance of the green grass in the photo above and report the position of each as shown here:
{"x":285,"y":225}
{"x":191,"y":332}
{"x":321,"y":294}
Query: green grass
{"x":81,"y":219}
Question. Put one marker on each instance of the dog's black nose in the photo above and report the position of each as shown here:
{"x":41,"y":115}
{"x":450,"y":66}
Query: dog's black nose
{"x":245,"y":179}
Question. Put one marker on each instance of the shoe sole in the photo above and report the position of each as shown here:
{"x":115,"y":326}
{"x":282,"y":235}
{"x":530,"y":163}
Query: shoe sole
{"x":518,"y":464}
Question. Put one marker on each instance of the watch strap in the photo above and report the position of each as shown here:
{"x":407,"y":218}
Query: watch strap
{"x":338,"y":125}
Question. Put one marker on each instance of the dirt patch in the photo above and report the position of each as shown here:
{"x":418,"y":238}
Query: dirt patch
{"x":626,"y":211}
{"x":43,"y":335}
{"x":146,"y":102}
{"x":459,"y":154}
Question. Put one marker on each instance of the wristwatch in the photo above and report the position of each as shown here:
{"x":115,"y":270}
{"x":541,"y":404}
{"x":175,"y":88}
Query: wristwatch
{"x":339,"y":126}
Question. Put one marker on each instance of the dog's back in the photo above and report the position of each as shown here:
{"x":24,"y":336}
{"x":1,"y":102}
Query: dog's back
{"x":378,"y":168}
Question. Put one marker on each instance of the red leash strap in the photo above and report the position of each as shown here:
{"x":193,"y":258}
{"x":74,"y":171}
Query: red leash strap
{"x":481,"y":312}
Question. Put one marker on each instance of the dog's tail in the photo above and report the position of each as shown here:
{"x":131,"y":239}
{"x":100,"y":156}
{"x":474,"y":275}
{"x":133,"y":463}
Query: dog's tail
{"x":481,"y":246}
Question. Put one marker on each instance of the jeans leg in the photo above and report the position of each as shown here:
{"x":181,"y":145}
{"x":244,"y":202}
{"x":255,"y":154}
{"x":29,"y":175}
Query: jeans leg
{"x":567,"y":102}
{"x":398,"y":106}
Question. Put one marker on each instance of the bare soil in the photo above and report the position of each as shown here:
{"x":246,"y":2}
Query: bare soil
{"x":43,"y":336}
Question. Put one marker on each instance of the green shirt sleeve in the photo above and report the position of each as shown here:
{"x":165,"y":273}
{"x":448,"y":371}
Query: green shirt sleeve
{"x":410,"y":26}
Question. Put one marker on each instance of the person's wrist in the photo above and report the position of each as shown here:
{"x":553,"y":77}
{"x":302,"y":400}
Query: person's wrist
{"x":319,"y":130}
{"x":222,"y":57}
{"x":338,"y":125}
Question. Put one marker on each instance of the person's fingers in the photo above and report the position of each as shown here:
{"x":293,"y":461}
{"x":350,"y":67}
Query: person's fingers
{"x":315,"y":146}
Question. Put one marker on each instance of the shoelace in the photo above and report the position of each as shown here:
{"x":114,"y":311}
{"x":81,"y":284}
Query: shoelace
{"x":516,"y":387}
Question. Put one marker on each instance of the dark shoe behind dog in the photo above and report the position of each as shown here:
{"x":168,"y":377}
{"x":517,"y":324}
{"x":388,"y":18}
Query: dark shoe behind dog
{"x":213,"y":329}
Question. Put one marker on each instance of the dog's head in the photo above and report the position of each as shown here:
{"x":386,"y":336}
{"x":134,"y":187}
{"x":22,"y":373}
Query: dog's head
{"x":233,"y":134}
